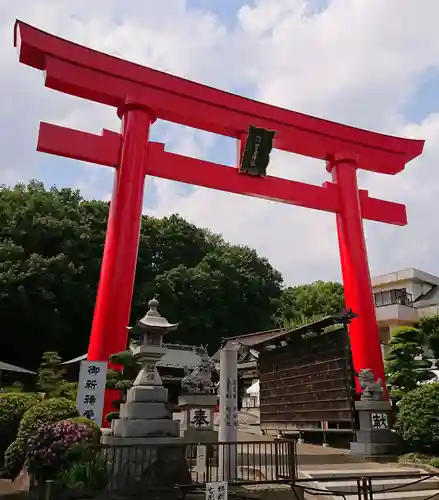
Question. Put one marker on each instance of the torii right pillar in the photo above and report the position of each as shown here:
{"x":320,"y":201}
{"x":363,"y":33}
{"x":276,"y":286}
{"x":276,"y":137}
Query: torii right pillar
{"x":363,"y":330}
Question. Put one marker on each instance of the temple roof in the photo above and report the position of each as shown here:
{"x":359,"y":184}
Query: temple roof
{"x":250,"y":339}
{"x":259,"y":340}
{"x":431,"y":298}
{"x":6,"y":367}
{"x":177,"y":356}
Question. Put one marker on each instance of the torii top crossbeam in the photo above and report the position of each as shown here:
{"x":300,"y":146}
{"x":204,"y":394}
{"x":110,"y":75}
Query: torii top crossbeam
{"x":142,"y":95}
{"x":73,"y":69}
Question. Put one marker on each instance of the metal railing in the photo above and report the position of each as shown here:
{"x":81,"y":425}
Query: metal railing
{"x":366,"y":488}
{"x":390,"y":297}
{"x":133,"y":470}
{"x":237,"y":462}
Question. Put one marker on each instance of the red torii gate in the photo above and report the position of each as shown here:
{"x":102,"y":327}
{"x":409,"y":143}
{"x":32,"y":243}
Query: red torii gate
{"x":141,"y":95}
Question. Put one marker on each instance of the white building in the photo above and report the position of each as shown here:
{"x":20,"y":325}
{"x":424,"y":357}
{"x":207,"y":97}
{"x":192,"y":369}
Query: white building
{"x":402,"y":298}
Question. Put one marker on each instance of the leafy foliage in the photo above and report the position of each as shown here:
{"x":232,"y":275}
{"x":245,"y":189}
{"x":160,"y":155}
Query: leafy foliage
{"x":45,"y":412}
{"x":86,"y":475}
{"x":12,"y":408}
{"x":304,"y":303}
{"x":51,"y":245}
{"x":417,"y":421}
{"x":405,"y":364}
{"x":121,"y":380}
{"x":51,"y":379}
{"x":429,"y":326}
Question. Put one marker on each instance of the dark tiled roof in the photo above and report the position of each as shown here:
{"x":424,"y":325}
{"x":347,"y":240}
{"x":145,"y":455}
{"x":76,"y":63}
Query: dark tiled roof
{"x":261,"y":339}
{"x":178,"y":356}
{"x":250,"y":339}
{"x":431,"y":298}
{"x":181,"y":356}
{"x":6,"y":367}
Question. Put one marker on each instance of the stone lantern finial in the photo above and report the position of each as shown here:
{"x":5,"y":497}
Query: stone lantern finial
{"x":154,"y":321}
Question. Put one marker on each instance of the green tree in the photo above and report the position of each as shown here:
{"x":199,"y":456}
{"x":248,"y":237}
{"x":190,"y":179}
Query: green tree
{"x":417,"y":421}
{"x":429,"y":327}
{"x":231,"y":290}
{"x":51,"y":377}
{"x":51,"y":245}
{"x":406,"y":366}
{"x":121,"y":380}
{"x":303,"y":303}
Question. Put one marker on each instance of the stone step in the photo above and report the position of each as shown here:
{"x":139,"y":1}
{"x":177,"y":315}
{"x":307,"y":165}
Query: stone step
{"x":354,"y":473}
{"x":402,"y":484}
{"x":396,"y":495}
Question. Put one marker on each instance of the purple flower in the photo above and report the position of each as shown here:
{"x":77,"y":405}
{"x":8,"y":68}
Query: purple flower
{"x":48,"y":449}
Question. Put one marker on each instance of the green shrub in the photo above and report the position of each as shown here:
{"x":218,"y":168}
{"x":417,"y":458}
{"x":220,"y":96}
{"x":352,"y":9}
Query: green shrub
{"x":87,"y":474}
{"x":418,"y":419}
{"x":12,"y":407}
{"x":45,"y":412}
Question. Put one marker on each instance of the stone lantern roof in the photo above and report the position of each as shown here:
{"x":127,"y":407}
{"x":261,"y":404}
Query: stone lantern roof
{"x":154,"y":321}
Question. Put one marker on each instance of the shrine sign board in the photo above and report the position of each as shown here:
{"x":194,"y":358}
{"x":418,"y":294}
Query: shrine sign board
{"x":91,"y":390}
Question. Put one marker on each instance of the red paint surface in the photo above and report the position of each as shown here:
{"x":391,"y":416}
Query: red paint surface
{"x":363,"y":331}
{"x":98,"y":77}
{"x":104,"y":150}
{"x":113,"y":303}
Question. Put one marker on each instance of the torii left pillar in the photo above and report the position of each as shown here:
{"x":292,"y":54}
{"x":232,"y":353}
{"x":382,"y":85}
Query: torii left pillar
{"x":115,"y":290}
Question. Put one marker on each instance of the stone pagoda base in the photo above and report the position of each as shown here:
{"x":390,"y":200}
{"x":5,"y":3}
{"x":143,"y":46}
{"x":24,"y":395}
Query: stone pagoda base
{"x":374,"y":437}
{"x":198,"y":417}
{"x":145,"y":442}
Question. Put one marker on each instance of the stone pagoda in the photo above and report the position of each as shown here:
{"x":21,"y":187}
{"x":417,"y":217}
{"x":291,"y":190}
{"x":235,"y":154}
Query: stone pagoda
{"x":155,"y":455}
{"x":145,"y":414}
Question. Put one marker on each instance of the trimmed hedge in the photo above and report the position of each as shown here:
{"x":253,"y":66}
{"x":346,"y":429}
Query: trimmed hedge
{"x":45,"y":412}
{"x":418,"y":419}
{"x":13,"y":405}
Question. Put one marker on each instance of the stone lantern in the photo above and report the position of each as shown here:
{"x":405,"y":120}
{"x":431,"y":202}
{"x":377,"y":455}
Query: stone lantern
{"x":145,"y":413}
{"x":150,"y":331}
{"x":145,"y":421}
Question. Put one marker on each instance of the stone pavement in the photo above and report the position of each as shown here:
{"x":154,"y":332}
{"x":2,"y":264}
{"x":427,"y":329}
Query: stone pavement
{"x":318,"y":463}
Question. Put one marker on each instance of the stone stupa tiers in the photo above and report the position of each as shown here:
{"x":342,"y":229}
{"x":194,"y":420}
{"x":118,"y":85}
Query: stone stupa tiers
{"x":145,"y":415}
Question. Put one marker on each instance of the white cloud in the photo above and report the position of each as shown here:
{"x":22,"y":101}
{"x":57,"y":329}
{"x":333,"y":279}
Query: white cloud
{"x":356,"y":62}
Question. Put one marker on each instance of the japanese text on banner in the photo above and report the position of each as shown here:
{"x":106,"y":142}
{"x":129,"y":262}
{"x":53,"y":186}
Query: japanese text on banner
{"x":91,"y":389}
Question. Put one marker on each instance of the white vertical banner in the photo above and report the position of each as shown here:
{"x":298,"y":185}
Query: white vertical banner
{"x":217,"y":490}
{"x":91,"y":390}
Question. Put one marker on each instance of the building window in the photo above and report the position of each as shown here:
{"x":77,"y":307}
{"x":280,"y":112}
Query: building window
{"x":396,"y":296}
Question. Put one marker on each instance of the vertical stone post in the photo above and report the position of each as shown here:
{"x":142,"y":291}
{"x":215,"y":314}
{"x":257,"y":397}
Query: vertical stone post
{"x":228,"y":413}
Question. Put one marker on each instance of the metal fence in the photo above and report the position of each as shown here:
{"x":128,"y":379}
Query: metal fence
{"x":133,"y":470}
{"x":192,"y":464}
{"x":368,"y":487}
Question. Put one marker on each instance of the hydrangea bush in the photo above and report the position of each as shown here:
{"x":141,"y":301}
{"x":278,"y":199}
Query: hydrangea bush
{"x":45,"y":412}
{"x":52,"y":449}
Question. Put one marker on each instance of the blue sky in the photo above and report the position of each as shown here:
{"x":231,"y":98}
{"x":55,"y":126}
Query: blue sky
{"x":365,"y":64}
